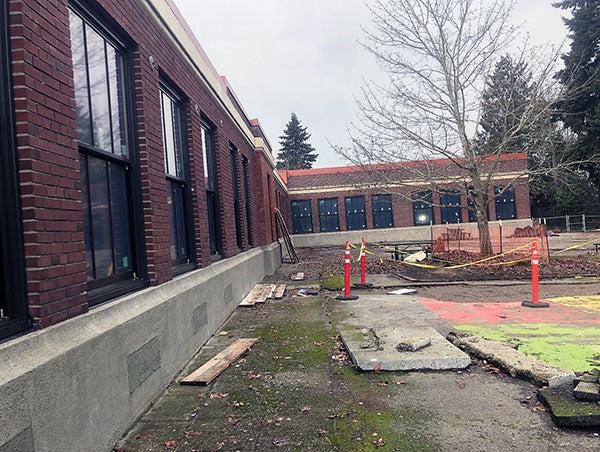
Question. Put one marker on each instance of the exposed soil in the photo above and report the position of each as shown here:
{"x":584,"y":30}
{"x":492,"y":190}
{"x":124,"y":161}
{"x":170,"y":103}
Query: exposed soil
{"x":315,"y":262}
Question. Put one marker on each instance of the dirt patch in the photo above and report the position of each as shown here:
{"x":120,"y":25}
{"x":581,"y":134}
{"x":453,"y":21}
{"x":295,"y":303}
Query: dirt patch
{"x":499,"y":294}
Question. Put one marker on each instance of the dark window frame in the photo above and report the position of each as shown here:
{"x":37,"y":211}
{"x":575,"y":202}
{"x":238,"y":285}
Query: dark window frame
{"x":235,"y":185}
{"x":503,"y":201}
{"x":421,"y":203}
{"x":377,"y":203}
{"x":355,"y":217}
{"x":210,"y":175}
{"x":450,"y":210}
{"x":329,"y":217}
{"x":295,"y":228}
{"x":247,"y":199}
{"x":12,"y":287}
{"x":182,"y":181}
{"x":119,"y":284}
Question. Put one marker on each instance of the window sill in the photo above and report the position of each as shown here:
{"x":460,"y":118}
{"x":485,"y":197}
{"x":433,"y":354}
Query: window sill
{"x":9,"y":328}
{"x":183,"y":268}
{"x":112,"y":291}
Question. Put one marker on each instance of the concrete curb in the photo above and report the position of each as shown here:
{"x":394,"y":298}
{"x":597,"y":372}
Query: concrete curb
{"x":516,"y":363}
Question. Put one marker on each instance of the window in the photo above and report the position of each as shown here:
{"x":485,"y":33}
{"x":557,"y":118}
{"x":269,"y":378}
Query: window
{"x":209,"y":157}
{"x":451,"y":211}
{"x":13,"y":300}
{"x":423,"y":208}
{"x":505,"y":203}
{"x":328,"y":215}
{"x":246,"y":176}
{"x":302,"y":216}
{"x":174,"y":145}
{"x":383,"y":216}
{"x":236,"y":195}
{"x":355,"y":213}
{"x":106,"y":163}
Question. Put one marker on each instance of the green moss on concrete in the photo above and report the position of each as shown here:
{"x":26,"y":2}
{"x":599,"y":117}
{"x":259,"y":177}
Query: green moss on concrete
{"x":336,"y":282}
{"x":570,"y":347}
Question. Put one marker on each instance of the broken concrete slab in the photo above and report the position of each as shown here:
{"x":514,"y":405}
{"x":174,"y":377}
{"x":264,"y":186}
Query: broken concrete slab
{"x":566,"y":410}
{"x":587,"y":391}
{"x":516,"y":363}
{"x":372,"y":349}
{"x":413,"y":345}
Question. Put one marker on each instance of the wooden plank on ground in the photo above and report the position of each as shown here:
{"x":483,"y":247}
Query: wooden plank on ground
{"x":253,"y":295}
{"x":298,"y":277}
{"x":279,"y":291}
{"x":269,"y":289}
{"x":221,"y":361}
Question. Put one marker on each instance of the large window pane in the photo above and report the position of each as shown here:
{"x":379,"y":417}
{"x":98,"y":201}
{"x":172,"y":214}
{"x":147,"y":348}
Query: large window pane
{"x":450,"y":207}
{"x":82,"y":103}
{"x":120,"y":217}
{"x":505,"y":203}
{"x":87,"y":223}
{"x":382,"y":211}
{"x":117,"y":100}
{"x":101,"y":116}
{"x":302,"y":216}
{"x":100,"y":209}
{"x":178,"y":230}
{"x":328,"y":215}
{"x":423,"y":208}
{"x":168,"y":135}
{"x":355,"y":213}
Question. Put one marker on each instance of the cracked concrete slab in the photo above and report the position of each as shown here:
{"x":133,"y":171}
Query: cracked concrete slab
{"x":372,"y":349}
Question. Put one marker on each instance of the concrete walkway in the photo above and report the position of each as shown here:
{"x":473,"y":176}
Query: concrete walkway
{"x":296,"y":390}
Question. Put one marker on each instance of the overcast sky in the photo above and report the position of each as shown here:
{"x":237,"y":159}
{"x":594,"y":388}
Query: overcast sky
{"x":302,"y":56}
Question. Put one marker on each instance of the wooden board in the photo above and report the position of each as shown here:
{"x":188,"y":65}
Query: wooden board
{"x":279,"y":291}
{"x":266,"y":290}
{"x":253,"y":295}
{"x":298,"y":277}
{"x":221,"y":361}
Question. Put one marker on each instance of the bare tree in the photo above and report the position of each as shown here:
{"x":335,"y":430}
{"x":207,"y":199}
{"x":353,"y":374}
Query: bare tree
{"x":437,"y":55}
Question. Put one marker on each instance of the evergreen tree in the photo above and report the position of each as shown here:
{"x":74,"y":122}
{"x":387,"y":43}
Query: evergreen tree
{"x":296,"y":152}
{"x":580,"y":110}
{"x":506,"y":98}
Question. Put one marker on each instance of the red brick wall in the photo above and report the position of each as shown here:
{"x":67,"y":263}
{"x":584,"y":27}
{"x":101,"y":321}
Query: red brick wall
{"x":402,"y":208}
{"x":49,"y":157}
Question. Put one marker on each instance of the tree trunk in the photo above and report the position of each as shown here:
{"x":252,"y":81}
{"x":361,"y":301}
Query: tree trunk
{"x":479,"y":198}
{"x":485,"y":242}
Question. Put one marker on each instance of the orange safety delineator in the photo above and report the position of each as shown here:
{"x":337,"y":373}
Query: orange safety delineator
{"x":347,"y":263}
{"x":535,"y":281}
{"x":363,"y":266}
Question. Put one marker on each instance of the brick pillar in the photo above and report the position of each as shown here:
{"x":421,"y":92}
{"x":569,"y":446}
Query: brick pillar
{"x":48,"y":159}
{"x":157,"y":227}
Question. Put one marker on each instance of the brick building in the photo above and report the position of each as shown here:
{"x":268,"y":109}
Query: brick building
{"x":132,"y":182}
{"x":353,"y":198}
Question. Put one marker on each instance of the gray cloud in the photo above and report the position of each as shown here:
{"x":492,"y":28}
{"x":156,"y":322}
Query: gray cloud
{"x":303,"y":56}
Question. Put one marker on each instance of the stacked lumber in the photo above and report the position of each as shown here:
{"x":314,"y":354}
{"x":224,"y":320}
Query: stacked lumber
{"x":221,"y":361}
{"x":263,"y":292}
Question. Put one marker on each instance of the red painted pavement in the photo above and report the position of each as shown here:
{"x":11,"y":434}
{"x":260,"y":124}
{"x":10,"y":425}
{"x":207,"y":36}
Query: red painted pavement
{"x":513,"y":312}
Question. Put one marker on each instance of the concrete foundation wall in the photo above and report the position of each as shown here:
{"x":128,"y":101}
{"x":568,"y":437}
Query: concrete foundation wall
{"x":380,"y":235}
{"x":81,"y":384}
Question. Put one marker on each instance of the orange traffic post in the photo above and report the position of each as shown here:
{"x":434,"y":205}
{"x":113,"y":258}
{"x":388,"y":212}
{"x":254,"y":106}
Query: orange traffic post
{"x":535,"y":281}
{"x":347,"y":267}
{"x":363,"y":267}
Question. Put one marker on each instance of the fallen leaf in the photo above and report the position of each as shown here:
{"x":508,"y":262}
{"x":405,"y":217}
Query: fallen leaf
{"x":377,"y":369}
{"x":379,"y":442}
{"x":399,"y":382}
{"x":171,"y":443}
{"x":304,"y":409}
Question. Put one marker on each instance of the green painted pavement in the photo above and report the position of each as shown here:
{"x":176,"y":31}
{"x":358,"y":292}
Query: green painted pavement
{"x":575,"y":348}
